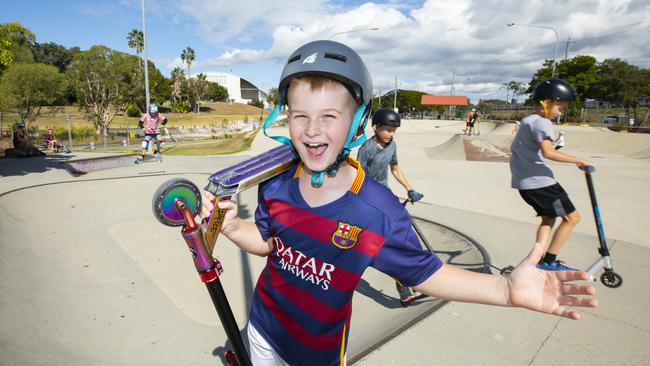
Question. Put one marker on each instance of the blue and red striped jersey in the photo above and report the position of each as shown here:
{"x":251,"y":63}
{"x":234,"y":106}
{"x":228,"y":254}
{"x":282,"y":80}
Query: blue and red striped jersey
{"x":303,"y":300}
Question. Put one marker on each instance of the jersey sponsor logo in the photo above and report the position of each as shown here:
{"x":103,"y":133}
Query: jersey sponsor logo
{"x":346,"y":235}
{"x":303,"y":266}
{"x":310,"y":59}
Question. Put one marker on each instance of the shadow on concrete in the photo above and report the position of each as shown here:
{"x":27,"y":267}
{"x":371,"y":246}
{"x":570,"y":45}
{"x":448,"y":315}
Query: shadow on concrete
{"x":39,"y":164}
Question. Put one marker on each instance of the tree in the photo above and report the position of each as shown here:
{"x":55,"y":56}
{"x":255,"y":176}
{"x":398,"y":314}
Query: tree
{"x":272,"y":96}
{"x":407,"y":100}
{"x":217,"y":92}
{"x":53,"y":54}
{"x":136,"y":41}
{"x":6,"y":56}
{"x":20,"y":41}
{"x":101,"y":78}
{"x":188,"y":56}
{"x":26,"y":88}
{"x":621,"y":83}
{"x":177,"y":77}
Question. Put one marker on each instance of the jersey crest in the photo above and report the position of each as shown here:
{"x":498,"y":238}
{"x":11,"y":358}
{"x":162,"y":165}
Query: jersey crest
{"x":346,"y":235}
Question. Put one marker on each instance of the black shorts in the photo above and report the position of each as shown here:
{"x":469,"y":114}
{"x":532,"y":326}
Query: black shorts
{"x":470,"y":124}
{"x":551,"y":201}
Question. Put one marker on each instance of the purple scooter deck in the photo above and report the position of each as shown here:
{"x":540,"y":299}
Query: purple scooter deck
{"x":248,"y":173}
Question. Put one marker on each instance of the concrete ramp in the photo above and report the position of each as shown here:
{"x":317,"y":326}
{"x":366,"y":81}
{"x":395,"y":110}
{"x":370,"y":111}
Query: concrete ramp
{"x":597,"y":142}
{"x":91,"y":278}
{"x":79,"y":167}
{"x":495,"y":148}
{"x":487,"y":148}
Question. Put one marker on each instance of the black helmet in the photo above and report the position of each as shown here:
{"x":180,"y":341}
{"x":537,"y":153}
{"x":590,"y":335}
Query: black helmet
{"x":554,"y":89}
{"x":331,"y":60}
{"x":386,"y":117}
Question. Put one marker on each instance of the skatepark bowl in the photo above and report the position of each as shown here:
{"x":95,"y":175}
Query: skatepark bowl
{"x":89,"y":276}
{"x":114,"y":286}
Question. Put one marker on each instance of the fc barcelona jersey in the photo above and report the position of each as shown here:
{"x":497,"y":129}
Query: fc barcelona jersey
{"x":303,"y":300}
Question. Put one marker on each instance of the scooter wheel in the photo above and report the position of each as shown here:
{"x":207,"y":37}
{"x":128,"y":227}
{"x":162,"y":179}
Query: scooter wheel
{"x":611,"y":279}
{"x":166,"y":195}
{"x":507,"y":270}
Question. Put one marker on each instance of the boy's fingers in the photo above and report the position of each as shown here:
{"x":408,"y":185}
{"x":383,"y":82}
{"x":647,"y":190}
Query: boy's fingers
{"x":572,"y":289}
{"x":585,"y":302}
{"x":226,"y":204}
{"x":566,"y":276}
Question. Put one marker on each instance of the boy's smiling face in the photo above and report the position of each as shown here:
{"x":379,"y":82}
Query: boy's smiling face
{"x":319,"y":120}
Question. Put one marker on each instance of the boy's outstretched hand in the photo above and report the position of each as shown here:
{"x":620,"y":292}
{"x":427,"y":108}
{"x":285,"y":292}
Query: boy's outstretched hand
{"x":547,"y":291}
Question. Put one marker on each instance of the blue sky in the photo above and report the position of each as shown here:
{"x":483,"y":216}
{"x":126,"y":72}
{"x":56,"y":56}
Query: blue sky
{"x":422,"y":43}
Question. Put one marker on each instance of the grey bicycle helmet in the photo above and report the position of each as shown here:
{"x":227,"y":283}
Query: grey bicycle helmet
{"x":554,"y":89}
{"x":386,"y":117}
{"x":331,"y":60}
{"x":335,"y":61}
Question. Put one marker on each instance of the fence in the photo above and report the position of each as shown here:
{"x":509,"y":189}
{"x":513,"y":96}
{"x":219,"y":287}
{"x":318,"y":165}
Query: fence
{"x":86,"y":138}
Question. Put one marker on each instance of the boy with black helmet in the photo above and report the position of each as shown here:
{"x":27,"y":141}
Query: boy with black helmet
{"x":376,"y":155}
{"x":322,"y":223}
{"x":534,"y":178}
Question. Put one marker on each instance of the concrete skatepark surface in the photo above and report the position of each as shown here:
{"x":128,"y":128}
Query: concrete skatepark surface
{"x":89,"y":277}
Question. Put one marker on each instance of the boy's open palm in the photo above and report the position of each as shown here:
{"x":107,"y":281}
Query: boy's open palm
{"x":547,"y":291}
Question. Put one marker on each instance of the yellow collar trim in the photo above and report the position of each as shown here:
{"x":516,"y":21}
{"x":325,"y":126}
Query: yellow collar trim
{"x":358,"y":179}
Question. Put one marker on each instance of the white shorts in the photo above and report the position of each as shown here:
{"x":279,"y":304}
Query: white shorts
{"x":262,"y":354}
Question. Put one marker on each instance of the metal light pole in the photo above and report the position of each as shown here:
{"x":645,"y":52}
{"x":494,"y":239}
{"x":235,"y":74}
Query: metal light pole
{"x":557,"y":38}
{"x":395,"y":96}
{"x":146,"y":68}
{"x":352,"y":31}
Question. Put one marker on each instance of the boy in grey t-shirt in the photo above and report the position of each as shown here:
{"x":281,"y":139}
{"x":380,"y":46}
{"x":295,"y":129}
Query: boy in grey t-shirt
{"x":533,"y":177}
{"x":376,"y":155}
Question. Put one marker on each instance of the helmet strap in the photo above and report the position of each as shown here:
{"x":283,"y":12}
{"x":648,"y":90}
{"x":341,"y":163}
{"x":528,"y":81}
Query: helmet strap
{"x":356,"y":136}
{"x":270,"y":120}
{"x":354,"y":139}
{"x":547,"y":110}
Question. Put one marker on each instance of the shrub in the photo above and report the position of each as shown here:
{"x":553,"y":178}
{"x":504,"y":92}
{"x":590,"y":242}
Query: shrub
{"x":133,"y":111}
{"x":180,"y":107}
{"x":256,"y":103}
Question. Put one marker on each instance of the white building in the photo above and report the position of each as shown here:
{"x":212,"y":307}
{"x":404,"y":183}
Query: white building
{"x":239,"y":90}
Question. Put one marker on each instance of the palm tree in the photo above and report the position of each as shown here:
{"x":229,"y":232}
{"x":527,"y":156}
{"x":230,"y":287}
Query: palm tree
{"x":136,"y":41}
{"x":177,"y":73}
{"x":188,"y":56}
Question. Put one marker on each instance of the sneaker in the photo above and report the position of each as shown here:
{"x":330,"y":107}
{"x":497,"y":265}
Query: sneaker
{"x":405,"y":295}
{"x":555,"y":266}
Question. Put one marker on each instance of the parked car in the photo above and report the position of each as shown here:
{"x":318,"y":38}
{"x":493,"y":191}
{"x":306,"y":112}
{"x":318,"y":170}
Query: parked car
{"x":610,"y":119}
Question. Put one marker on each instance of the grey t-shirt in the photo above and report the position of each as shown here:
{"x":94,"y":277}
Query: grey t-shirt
{"x":375,"y":160}
{"x":528,"y":167}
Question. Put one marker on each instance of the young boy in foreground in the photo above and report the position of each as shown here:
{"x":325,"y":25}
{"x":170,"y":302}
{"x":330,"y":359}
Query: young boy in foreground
{"x":322,"y":223}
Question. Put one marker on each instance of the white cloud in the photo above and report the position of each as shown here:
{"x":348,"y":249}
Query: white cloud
{"x":423,"y":42}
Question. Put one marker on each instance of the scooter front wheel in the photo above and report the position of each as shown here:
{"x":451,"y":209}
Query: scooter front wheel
{"x":611,"y":279}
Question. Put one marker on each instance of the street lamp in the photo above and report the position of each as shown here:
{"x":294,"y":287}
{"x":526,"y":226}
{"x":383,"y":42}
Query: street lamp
{"x":146,"y":68}
{"x":352,"y":31}
{"x":545,"y":27}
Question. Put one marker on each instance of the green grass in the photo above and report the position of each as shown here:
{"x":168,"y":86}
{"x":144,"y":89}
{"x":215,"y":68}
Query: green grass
{"x":236,"y":143}
{"x":211,"y":113}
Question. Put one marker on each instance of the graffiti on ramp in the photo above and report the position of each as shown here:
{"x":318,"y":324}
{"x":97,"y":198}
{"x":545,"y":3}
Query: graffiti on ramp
{"x":494,"y":148}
